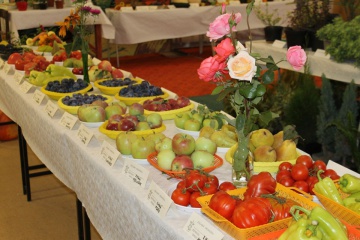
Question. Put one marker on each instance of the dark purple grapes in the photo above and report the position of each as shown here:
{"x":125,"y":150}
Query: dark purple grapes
{"x":117,"y":82}
{"x":78,"y":99}
{"x":66,"y":85}
{"x":144,"y":89}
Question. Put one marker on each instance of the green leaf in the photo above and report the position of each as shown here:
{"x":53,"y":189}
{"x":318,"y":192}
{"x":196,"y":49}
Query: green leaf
{"x":260,"y":90}
{"x":268,"y":77}
{"x":249,"y":90}
{"x":267,"y":60}
{"x":256,"y":100}
{"x":217,"y":90}
{"x":267,"y":117}
{"x":249,"y":7}
{"x":240,"y":122}
{"x":224,"y":93}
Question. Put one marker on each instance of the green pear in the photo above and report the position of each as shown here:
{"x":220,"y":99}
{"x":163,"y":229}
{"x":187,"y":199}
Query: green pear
{"x":222,"y":140}
{"x":261,"y":137}
{"x":206,"y":131}
{"x":264,"y":153}
{"x":230,"y":131}
{"x":286,"y":151}
{"x":278,"y":139}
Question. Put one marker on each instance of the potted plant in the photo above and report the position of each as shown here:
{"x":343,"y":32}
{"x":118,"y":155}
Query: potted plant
{"x":40,"y":4}
{"x":21,"y":5}
{"x":307,"y":17}
{"x":271,"y":19}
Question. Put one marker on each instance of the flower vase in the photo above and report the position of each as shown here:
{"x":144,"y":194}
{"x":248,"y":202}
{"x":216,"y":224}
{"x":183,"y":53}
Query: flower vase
{"x":243,"y":164}
{"x":84,"y":56}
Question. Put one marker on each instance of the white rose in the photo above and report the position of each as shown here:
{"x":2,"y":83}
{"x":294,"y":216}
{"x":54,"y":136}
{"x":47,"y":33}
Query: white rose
{"x":242,"y":66}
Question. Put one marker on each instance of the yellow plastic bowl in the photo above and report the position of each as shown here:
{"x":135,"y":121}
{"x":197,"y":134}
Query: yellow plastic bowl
{"x":113,"y":134}
{"x":111,"y":90}
{"x":271,"y":167}
{"x":170,"y":114}
{"x":130,"y":100}
{"x":74,"y":109}
{"x":56,"y":95}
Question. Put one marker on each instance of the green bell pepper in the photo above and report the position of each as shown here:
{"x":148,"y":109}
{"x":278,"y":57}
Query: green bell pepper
{"x":330,"y":227}
{"x":327,"y":187}
{"x":349,"y":183}
{"x":55,"y":70}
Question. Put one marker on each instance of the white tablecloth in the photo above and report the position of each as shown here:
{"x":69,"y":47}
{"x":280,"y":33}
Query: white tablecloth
{"x":20,"y":20}
{"x":116,"y":207}
{"x":344,"y":72}
{"x":143,"y":26}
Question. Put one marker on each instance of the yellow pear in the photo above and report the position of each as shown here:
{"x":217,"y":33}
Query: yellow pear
{"x":230,"y":131}
{"x":286,"y":151}
{"x":206,"y":131}
{"x":222,"y":140}
{"x":278,"y":139}
{"x":261,"y":137}
{"x":264,"y":154}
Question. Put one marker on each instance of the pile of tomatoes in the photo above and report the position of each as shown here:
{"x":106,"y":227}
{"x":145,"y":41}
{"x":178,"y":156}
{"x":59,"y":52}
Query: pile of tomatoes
{"x":196,"y":184}
{"x":303,"y":174}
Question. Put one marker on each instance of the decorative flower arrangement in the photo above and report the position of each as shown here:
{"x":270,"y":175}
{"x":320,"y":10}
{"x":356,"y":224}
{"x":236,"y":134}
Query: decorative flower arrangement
{"x":75,"y":23}
{"x":236,"y":72}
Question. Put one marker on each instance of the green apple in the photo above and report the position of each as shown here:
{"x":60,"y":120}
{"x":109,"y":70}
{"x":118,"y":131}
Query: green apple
{"x":202,"y":159}
{"x":165,"y":143}
{"x":198,"y":116}
{"x":205,"y":144}
{"x":165,"y":159}
{"x":114,"y":108}
{"x":154,"y":120}
{"x":180,"y":119}
{"x":192,"y":125}
{"x":183,"y":144}
{"x":141,"y":148}
{"x":155,"y":137}
{"x":90,"y":113}
{"x":141,"y":126}
{"x":124,"y":141}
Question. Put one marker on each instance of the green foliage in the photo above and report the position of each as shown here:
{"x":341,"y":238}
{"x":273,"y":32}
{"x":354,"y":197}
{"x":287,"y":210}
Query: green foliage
{"x":343,"y":39}
{"x":351,"y":8}
{"x":268,"y":18}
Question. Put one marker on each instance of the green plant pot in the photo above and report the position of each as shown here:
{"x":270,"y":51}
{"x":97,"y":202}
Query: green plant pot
{"x":296,"y":37}
{"x":40,"y":5}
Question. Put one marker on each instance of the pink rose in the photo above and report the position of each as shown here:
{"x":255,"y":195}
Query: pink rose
{"x":211,"y":69}
{"x":296,"y":56}
{"x":242,"y":66}
{"x":224,"y":49}
{"x":221,"y":26}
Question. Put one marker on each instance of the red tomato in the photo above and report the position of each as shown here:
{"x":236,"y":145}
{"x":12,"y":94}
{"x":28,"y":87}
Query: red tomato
{"x":222,"y":203}
{"x":311,"y":181}
{"x":287,"y":181}
{"x":281,"y":207}
{"x":318,"y":165}
{"x":209,"y":188}
{"x":75,"y":54}
{"x":299,"y":172}
{"x":181,"y":184}
{"x":305,"y":160}
{"x":19,"y":64}
{"x":331,"y":174}
{"x":193,"y":202}
{"x":213,"y":179}
{"x":285,"y":166}
{"x":13,"y":58}
{"x":281,"y":174}
{"x":195,"y":181}
{"x":302,"y":185}
{"x":225,"y":186}
{"x":78,"y":71}
{"x":181,"y":197}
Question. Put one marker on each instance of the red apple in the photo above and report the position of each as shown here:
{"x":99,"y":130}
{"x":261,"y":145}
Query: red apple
{"x":181,"y":162}
{"x":100,"y":103}
{"x":105,"y":65}
{"x":126,"y":125}
{"x":116,"y":118}
{"x":114,"y":108}
{"x":134,"y":119}
{"x":117,"y":73}
{"x":112,"y":125}
{"x":183,"y":101}
{"x":136,"y":109}
{"x":183,"y":144}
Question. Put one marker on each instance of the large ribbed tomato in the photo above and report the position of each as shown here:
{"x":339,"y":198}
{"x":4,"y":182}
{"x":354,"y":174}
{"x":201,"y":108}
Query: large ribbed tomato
{"x":223,"y":203}
{"x":280,"y":206}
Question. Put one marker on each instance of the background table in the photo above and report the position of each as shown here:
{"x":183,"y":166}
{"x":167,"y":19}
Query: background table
{"x":344,"y":72}
{"x":143,"y":26}
{"x":116,"y":207}
{"x":20,"y":20}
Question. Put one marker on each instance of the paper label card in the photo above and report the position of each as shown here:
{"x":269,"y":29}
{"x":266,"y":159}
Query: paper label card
{"x":25,"y":86}
{"x":279,"y":44}
{"x":67,"y":120}
{"x":2,"y":62}
{"x":7,"y":68}
{"x":321,"y":53}
{"x":51,"y":108}
{"x":18,"y":77}
{"x":38,"y":96}
{"x":199,"y":229}
{"x":158,"y":199}
{"x":109,"y":154}
{"x":84,"y":134}
{"x":136,"y":173}
{"x":127,"y":9}
{"x":142,"y":8}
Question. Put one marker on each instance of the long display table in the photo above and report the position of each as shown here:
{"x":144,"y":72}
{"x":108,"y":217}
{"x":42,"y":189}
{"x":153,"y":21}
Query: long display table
{"x":115,"y":205}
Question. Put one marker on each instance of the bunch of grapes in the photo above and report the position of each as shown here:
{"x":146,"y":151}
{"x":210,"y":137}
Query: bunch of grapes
{"x":78,"y":99}
{"x":144,"y":89}
{"x":116,"y":82}
{"x":66,"y":85}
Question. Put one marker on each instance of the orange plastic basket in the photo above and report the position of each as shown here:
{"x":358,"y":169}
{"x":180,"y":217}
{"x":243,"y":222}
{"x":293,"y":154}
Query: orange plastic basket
{"x":353,"y":234}
{"x":246,"y":233}
{"x":152,"y":159}
{"x":338,"y":210}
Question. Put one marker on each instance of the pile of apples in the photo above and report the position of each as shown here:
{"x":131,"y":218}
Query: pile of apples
{"x":160,"y":104}
{"x":196,"y":119}
{"x":104,"y":70}
{"x":99,"y":111}
{"x":182,"y":152}
{"x":28,"y":61}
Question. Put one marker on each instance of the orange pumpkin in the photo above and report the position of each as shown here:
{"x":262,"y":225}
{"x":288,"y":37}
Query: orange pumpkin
{"x":7,"y":132}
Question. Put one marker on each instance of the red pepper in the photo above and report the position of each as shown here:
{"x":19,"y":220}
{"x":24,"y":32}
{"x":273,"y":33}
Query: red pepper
{"x":262,"y":183}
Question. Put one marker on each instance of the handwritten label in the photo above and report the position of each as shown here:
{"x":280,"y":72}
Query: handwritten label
{"x":51,"y":108}
{"x":136,"y":173}
{"x":279,"y":44}
{"x":26,"y":86}
{"x":67,"y":120}
{"x":18,"y":76}
{"x":84,"y":134}
{"x":158,"y":199}
{"x":321,"y":53}
{"x":109,"y":153}
{"x":38,"y":96}
{"x":7,"y":68}
{"x":142,"y":8}
{"x":199,"y":229}
{"x":2,"y":62}
{"x":127,"y":9}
